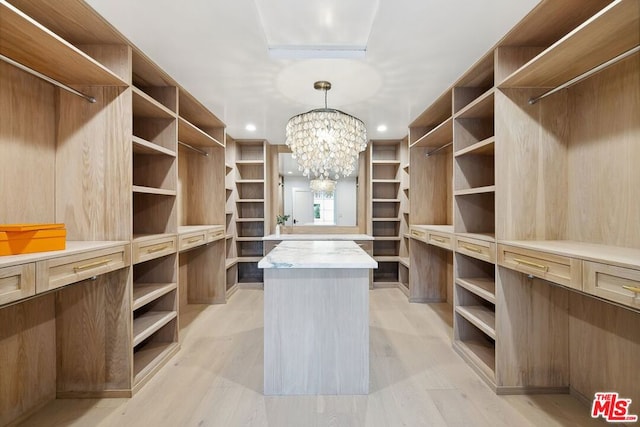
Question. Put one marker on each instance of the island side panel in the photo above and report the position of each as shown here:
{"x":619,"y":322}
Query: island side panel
{"x":316,"y":331}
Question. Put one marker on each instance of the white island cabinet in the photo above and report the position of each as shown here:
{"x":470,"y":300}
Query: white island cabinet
{"x":316,"y":318}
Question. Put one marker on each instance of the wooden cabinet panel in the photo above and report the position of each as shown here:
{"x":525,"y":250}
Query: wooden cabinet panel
{"x":618,"y":284}
{"x":57,"y":272}
{"x":153,"y":248}
{"x":17,"y":282}
{"x":479,"y":249}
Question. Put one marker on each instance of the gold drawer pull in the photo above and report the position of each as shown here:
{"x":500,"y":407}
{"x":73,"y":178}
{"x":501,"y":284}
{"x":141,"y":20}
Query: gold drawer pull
{"x":157,"y":249}
{"x":438,"y":239}
{"x":91,"y":265}
{"x":472,"y":248}
{"x":416,"y":233}
{"x":532,"y":264}
{"x":634,"y":289}
{"x":195,"y":239}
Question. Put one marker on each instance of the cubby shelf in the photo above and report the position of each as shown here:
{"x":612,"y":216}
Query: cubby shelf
{"x":437,"y":137}
{"x":148,"y":323}
{"x":27,"y":42}
{"x":144,"y":106}
{"x":481,"y":317}
{"x":150,"y":357}
{"x":192,"y":135}
{"x":478,"y":190}
{"x":144,"y":293}
{"x":481,"y":355}
{"x":142,"y":146}
{"x":609,"y":33}
{"x":486,"y":147}
{"x":480,"y":108}
{"x":482,"y":287}
{"x":151,"y":190}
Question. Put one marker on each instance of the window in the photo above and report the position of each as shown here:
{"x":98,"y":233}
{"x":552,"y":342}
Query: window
{"x":323,"y":209}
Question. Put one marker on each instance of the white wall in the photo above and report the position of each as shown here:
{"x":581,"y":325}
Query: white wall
{"x":346,"y":198}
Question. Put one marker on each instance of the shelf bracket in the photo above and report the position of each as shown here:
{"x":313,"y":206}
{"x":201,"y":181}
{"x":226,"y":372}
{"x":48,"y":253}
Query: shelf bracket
{"x":48,"y":79}
{"x":438,"y":149}
{"x":586,"y":74}
{"x":197,"y":150}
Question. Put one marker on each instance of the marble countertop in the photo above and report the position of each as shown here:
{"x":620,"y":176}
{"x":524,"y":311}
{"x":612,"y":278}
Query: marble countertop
{"x":317,"y":254}
{"x":285,"y":237}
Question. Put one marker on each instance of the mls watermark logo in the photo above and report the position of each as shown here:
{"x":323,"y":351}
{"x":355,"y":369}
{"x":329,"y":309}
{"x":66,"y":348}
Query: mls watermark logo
{"x":612,"y":408}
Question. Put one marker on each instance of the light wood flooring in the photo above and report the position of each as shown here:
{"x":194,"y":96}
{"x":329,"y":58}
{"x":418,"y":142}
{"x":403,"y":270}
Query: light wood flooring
{"x":416,"y":380}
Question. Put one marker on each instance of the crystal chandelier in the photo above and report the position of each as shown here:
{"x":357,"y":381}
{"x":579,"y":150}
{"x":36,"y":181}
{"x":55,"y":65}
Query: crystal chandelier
{"x":326,"y":143}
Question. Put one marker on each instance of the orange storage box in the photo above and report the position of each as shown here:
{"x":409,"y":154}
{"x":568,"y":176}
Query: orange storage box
{"x":18,"y":239}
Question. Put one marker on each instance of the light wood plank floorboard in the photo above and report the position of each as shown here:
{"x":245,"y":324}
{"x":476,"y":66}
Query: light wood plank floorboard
{"x":416,"y":379}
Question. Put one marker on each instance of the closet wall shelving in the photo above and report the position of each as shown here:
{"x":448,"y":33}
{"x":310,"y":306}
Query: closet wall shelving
{"x":404,"y":262}
{"x":545,"y":246}
{"x":130,"y":194}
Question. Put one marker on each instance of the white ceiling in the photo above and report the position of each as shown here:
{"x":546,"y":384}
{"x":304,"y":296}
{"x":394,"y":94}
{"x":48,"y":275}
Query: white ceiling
{"x":219,"y":50}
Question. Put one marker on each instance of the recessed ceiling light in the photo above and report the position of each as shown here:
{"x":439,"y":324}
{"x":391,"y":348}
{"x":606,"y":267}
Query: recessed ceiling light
{"x":382,"y":128}
{"x":289,"y":172}
{"x":250,"y":127}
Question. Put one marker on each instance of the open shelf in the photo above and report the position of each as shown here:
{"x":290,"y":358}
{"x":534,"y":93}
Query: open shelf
{"x":405,"y":261}
{"x":486,"y":147}
{"x":480,"y":354}
{"x":192,"y":135}
{"x":148,"y":323}
{"x":150,"y":356}
{"x":27,"y":42}
{"x":144,"y":293}
{"x":144,"y":106}
{"x":482,"y":287}
{"x":142,"y":146}
{"x":479,"y":190}
{"x":150,"y":190}
{"x":609,"y":33}
{"x":481,"y":317}
{"x":480,"y":108}
{"x":385,"y":162}
{"x":439,"y":136}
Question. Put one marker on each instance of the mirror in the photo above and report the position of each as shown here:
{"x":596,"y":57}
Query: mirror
{"x":306,"y":208}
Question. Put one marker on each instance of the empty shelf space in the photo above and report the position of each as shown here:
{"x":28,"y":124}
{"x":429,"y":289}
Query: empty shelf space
{"x":481,"y":317}
{"x":386,"y":162}
{"x":192,"y":135}
{"x":151,"y":190}
{"x":609,"y":33}
{"x":385,"y":200}
{"x":481,"y":354}
{"x":484,"y":288}
{"x":387,"y":238}
{"x":31,"y":44}
{"x":142,"y":146}
{"x":387,"y":258}
{"x":249,"y":200}
{"x":386,"y":181}
{"x":146,"y":359}
{"x":250,"y":181}
{"x":250,"y":220}
{"x":249,"y":239}
{"x":478,"y":190}
{"x":230,"y":262}
{"x":147,"y":107}
{"x":144,"y":293}
{"x":480,"y":108}
{"x":485,"y":147}
{"x":249,"y":162}
{"x":438,"y":136}
{"x":145,"y":325}
{"x":405,"y":261}
{"x":385,"y":219}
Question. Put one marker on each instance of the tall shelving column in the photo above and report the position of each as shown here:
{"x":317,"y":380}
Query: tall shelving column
{"x":250,"y":184}
{"x":431,"y":209}
{"x":231,"y":212}
{"x":154,"y":244}
{"x":385,"y":210}
{"x":201,"y":217}
{"x":403,"y":232}
{"x":474,"y":222}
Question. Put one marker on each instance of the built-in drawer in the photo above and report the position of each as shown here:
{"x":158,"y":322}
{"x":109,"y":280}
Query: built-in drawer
{"x":56,"y":272}
{"x":480,"y":249}
{"x":442,"y":240}
{"x":215,"y":234}
{"x":554,"y":268}
{"x":418,"y":234}
{"x":145,"y":250}
{"x":618,"y":284}
{"x":191,"y":240}
{"x":17,"y":282}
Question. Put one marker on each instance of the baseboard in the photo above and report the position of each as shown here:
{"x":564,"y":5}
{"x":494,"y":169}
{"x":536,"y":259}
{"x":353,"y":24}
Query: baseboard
{"x":22,"y":417}
{"x":103,"y":394}
{"x":507,"y":390}
{"x":252,"y":285}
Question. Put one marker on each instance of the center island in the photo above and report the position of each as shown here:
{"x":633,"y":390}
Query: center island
{"x":316,"y":318}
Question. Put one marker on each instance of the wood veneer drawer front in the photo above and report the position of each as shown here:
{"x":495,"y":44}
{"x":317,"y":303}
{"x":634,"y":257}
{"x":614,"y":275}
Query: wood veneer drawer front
{"x":554,"y":268}
{"x":418,"y":234}
{"x":57,"y":272}
{"x":192,"y":240}
{"x":618,"y":284}
{"x":480,"y":249}
{"x":151,"y":249}
{"x":440,"y":239}
{"x":213,"y":235}
{"x":17,"y":282}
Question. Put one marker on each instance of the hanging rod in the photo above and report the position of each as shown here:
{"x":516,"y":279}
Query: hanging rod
{"x":31,"y":71}
{"x":586,"y":74}
{"x":197,"y":150}
{"x":438,"y":149}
